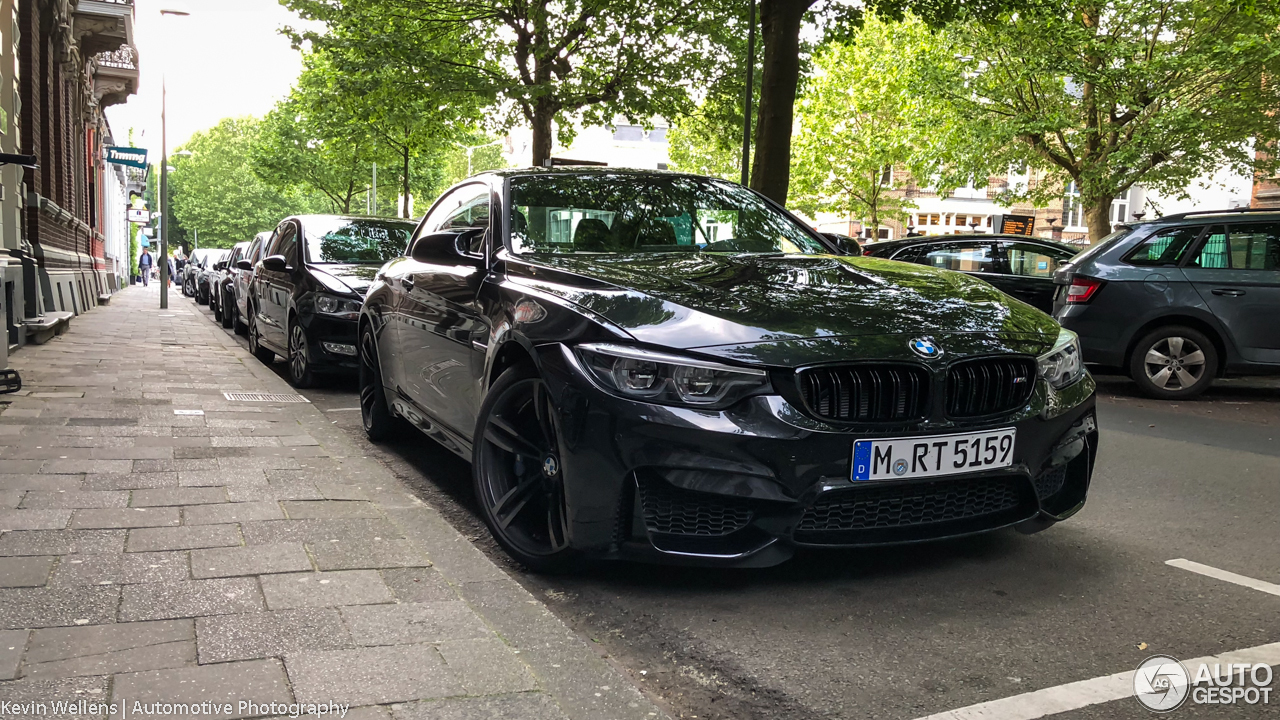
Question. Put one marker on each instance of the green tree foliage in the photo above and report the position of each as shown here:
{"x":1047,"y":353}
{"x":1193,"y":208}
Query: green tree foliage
{"x":862,"y":113}
{"x":1112,"y":93}
{"x":300,"y":147}
{"x":216,"y":193}
{"x":537,"y":62}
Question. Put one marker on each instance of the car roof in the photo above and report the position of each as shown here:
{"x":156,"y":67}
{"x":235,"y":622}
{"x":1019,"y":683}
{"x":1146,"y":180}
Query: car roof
{"x":931,"y":239}
{"x":588,"y":170}
{"x":1209,"y":217}
{"x":323,"y":216}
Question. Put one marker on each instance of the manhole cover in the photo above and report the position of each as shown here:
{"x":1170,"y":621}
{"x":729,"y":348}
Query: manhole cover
{"x":264,"y":397}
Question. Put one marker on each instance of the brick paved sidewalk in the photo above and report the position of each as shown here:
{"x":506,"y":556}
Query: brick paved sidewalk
{"x":149,"y":554}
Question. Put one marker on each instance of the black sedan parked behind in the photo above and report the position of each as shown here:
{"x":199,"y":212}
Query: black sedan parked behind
{"x":306,"y":290}
{"x":669,"y":367}
{"x":220,"y":295}
{"x":1019,"y":265}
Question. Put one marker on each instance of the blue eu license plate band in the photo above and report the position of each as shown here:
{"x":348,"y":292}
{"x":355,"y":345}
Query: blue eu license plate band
{"x":862,"y":460}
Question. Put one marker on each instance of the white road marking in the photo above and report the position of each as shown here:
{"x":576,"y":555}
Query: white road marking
{"x":1076,"y":695}
{"x":1226,"y":576}
{"x":342,"y":409}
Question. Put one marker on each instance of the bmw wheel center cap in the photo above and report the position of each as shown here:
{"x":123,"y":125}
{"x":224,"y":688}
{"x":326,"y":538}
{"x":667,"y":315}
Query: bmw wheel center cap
{"x":925,"y":347}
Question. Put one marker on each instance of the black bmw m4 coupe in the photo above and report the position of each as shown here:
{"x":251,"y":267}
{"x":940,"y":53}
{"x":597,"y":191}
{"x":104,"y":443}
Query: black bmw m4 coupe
{"x":672,"y":368}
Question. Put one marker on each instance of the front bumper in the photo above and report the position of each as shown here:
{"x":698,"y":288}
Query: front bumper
{"x":749,"y":485}
{"x":326,"y":335}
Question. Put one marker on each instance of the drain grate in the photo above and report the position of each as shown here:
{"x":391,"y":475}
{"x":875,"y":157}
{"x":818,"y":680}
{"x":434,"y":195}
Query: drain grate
{"x":264,"y":397}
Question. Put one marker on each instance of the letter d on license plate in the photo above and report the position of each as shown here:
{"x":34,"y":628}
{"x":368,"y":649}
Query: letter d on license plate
{"x":932,"y":455}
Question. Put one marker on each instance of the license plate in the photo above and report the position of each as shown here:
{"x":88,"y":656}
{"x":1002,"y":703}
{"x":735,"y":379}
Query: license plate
{"x":932,"y":456}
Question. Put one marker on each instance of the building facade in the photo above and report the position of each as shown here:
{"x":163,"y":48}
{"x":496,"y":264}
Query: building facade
{"x":64,"y":61}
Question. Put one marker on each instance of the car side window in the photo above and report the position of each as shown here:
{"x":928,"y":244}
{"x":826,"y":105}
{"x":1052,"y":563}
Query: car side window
{"x":1255,"y":246}
{"x":910,"y":254}
{"x":1163,"y":248}
{"x":965,"y":257}
{"x":1029,"y":260}
{"x":464,"y":207}
{"x":285,"y":243}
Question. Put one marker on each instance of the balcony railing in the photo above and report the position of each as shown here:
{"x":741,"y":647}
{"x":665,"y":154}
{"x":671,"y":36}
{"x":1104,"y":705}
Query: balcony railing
{"x":122,"y":59}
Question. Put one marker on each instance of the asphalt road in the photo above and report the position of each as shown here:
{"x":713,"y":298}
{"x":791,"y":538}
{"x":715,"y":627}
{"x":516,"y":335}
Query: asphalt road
{"x":909,"y":632}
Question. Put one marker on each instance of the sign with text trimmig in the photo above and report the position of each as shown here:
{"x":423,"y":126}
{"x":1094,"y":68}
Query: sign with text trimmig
{"x":131,"y":156}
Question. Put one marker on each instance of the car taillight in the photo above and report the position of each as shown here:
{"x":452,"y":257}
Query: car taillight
{"x":866,"y":252}
{"x":1082,"y":289}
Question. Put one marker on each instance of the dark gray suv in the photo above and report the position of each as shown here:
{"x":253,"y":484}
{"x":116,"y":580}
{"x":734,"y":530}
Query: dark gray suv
{"x":1179,"y":301}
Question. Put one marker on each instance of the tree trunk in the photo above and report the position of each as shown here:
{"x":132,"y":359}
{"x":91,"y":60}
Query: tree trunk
{"x":405,"y":204}
{"x":1097,"y":215}
{"x":543,"y":114}
{"x":779,"y":77}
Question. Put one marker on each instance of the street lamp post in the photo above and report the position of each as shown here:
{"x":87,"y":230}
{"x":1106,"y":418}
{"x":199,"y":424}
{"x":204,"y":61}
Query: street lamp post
{"x":164,"y":183}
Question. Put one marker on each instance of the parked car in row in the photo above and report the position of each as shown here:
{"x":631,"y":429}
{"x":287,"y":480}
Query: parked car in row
{"x":306,"y":291}
{"x":673,"y":368}
{"x":204,"y":275}
{"x":241,"y":278}
{"x":1019,"y":265}
{"x":192,"y":268}
{"x":220,"y":300}
{"x":1179,"y":301}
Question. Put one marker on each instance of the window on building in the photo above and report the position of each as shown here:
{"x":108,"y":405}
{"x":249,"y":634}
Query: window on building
{"x":1120,"y":208}
{"x":886,"y":175}
{"x":658,"y":135}
{"x":628,"y":133}
{"x":1072,"y":210}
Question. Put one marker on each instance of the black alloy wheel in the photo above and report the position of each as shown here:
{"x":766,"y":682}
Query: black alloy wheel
{"x":379,"y":423}
{"x":266,"y":355}
{"x":299,"y":357}
{"x":216,"y":307}
{"x":518,"y":475}
{"x":188,"y":286}
{"x":1174,"y":363}
{"x":227,"y":308}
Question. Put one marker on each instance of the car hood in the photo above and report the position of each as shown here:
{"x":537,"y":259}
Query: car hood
{"x":732,"y":302}
{"x":348,"y":278}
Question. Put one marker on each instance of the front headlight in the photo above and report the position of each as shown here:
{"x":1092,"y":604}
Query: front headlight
{"x":342,"y":307}
{"x":640,"y":374}
{"x":1062,"y":365}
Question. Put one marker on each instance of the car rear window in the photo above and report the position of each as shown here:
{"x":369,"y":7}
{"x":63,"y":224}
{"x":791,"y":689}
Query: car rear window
{"x":1165,"y":247}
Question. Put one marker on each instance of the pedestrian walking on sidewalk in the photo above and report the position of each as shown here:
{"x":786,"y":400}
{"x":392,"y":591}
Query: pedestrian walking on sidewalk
{"x":145,"y":262}
{"x":172,"y":272}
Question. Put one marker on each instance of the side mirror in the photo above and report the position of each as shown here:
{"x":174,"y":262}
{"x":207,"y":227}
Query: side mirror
{"x":445,"y":247}
{"x":244,"y":265}
{"x":275,"y":263}
{"x":220,"y":266}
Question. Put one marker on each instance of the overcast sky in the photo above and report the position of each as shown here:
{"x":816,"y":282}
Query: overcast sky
{"x":224,"y":60}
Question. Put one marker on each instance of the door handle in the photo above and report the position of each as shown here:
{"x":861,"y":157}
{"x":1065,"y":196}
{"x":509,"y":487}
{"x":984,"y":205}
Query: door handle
{"x":1228,"y":292}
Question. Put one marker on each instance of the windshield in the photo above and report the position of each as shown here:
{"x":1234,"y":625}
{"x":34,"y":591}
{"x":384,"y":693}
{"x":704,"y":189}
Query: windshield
{"x":347,"y":240}
{"x":626,"y":213}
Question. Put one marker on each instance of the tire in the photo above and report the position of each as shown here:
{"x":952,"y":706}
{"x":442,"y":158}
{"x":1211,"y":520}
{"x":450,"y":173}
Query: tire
{"x":375,"y":415}
{"x":517,"y":476}
{"x":300,"y":373}
{"x":216,"y":307}
{"x":241,"y":327}
{"x":266,"y":355}
{"x":1174,"y":362}
{"x":227,"y":308}
{"x":188,"y":287}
